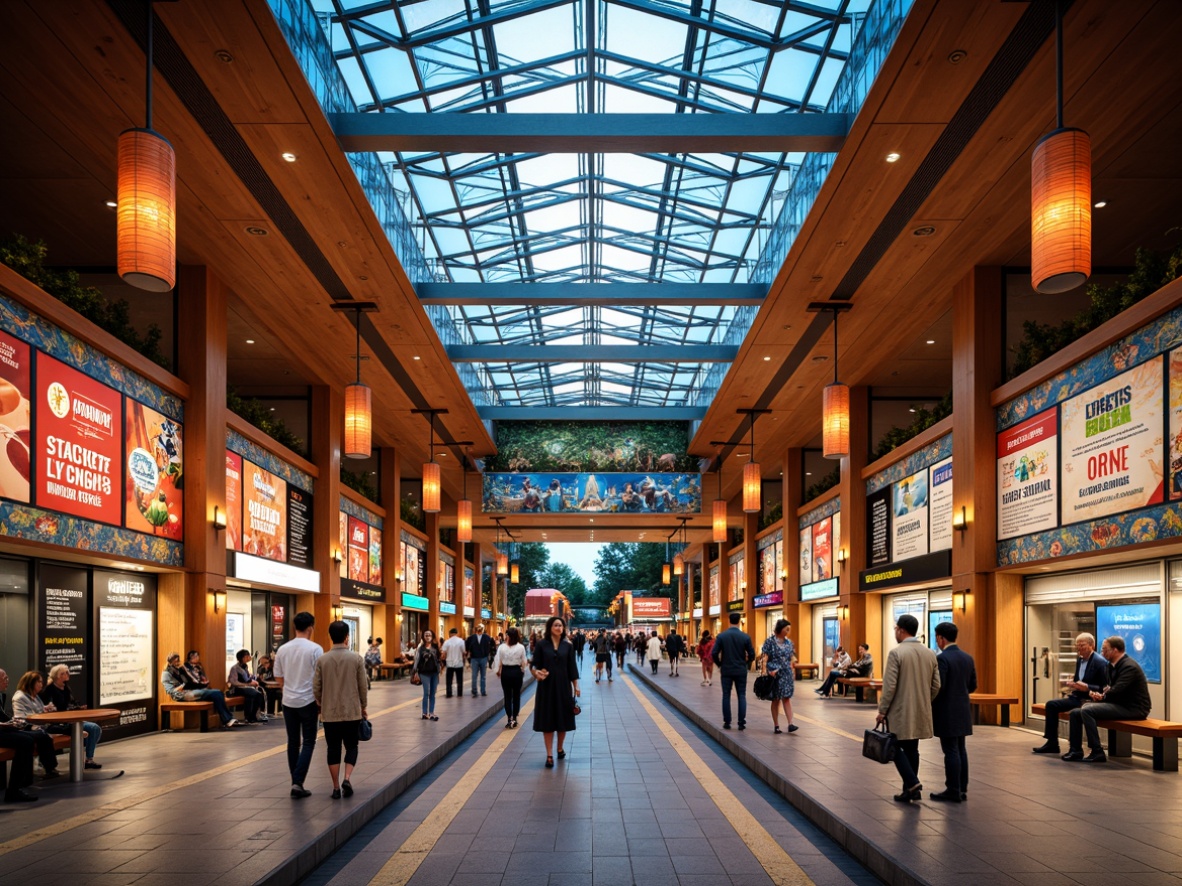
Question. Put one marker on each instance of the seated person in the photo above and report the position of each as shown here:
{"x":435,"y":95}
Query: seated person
{"x":241,"y":682}
{"x":28,"y":700}
{"x":57,"y":694}
{"x":17,"y":736}
{"x":179,"y":688}
{"x":864,"y":666}
{"x":841,"y":665}
{"x":265,"y":673}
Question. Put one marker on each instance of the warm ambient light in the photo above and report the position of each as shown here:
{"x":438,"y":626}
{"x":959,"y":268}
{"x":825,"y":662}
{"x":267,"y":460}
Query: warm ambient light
{"x":219,"y":518}
{"x":892,"y":157}
{"x":719,"y":521}
{"x":515,"y":573}
{"x":358,"y":442}
{"x":502,"y":563}
{"x":841,"y":556}
{"x":1061,"y":211}
{"x":431,"y":488}
{"x":289,"y":156}
{"x":678,"y":564}
{"x":666,"y":573}
{"x":338,"y":613}
{"x":960,"y":522}
{"x":751,"y":487}
{"x":835,"y":420}
{"x":219,"y":601}
{"x":960,"y":599}
{"x":146,"y":210}
{"x":464,"y":521}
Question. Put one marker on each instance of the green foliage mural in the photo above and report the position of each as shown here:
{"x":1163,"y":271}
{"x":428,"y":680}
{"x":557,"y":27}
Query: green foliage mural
{"x":575,"y":446}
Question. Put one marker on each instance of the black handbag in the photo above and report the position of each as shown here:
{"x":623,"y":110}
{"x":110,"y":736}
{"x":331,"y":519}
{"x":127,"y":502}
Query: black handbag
{"x":879,"y":744}
{"x":364,"y":730}
{"x":765,"y":685}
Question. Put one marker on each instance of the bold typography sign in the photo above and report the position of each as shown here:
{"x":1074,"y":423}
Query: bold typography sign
{"x":64,"y":623}
{"x":233,"y":501}
{"x":299,"y":527}
{"x":265,"y":516}
{"x":651,"y":607}
{"x":1027,"y":490}
{"x":878,"y":527}
{"x":358,"y":550}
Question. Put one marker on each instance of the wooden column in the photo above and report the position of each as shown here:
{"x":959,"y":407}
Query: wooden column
{"x":433,"y":574}
{"x":201,"y":361}
{"x":328,"y":422}
{"x":856,"y":627}
{"x":753,"y":627}
{"x":800,"y":616}
{"x":390,"y":495}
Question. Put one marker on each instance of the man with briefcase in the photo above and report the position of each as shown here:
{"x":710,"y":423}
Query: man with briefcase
{"x":909,"y":684}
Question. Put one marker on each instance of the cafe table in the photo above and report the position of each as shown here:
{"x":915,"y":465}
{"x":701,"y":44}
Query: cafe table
{"x":74,"y":719}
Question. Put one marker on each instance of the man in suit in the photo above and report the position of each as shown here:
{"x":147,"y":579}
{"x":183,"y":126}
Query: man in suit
{"x":1091,"y":675}
{"x":1125,"y":697}
{"x":478,"y":647}
{"x":909,"y":683}
{"x":733,"y":653}
{"x":24,"y":742}
{"x":952,"y":712}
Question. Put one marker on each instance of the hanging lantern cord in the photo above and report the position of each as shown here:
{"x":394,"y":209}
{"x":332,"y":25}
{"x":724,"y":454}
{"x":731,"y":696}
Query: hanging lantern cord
{"x":357,"y":353}
{"x":431,"y":447}
{"x":148,"y":91}
{"x":1059,"y":64}
{"x":836,"y":314}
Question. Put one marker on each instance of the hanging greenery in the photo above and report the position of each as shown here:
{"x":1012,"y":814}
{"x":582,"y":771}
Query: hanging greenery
{"x":411,"y":515}
{"x":772,"y":515}
{"x":262,"y":418}
{"x":1151,"y":271}
{"x":924,"y":419}
{"x":361,"y":483}
{"x":823,"y":485}
{"x":28,"y":259}
{"x":579,"y":446}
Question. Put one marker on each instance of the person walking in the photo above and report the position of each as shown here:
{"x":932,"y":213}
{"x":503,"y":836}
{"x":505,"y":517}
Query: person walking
{"x":654,"y":651}
{"x":776,"y":658}
{"x":340,"y":687}
{"x":640,"y":644}
{"x":295,"y":665}
{"x":478,"y":648}
{"x":509,"y":665}
{"x":579,"y":642}
{"x":909,"y":683}
{"x":453,"y":654}
{"x":952,"y":712}
{"x":706,"y":658}
{"x":428,"y":655}
{"x":557,"y":673}
{"x":733,"y":653}
{"x":603,"y":655}
{"x":674,"y":647}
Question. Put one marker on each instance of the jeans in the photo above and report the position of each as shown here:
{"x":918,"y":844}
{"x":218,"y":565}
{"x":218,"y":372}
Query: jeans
{"x":91,"y":732}
{"x":458,"y":674}
{"x":430,"y":685}
{"x":673,"y":664}
{"x":300,"y":723}
{"x":252,"y":702}
{"x":827,"y":686}
{"x":907,"y":762}
{"x":1086,"y":717}
{"x":334,"y":734}
{"x":481,"y":665}
{"x":739,"y":681}
{"x":511,"y":680}
{"x":654,"y":662}
{"x":1055,"y":707}
{"x":219,"y":702}
{"x":956,"y":764}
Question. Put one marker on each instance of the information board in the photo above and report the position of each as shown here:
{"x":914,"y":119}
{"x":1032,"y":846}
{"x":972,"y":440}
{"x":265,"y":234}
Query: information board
{"x":909,"y":510}
{"x":126,"y":664}
{"x":940,"y":505}
{"x":1139,"y":624}
{"x":64,"y":623}
{"x":878,"y":528}
{"x":299,"y":527}
{"x":1027,"y":488}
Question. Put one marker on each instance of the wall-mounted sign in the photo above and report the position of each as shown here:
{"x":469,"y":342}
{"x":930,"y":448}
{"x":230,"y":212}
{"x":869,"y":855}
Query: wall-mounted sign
{"x":358,"y":554}
{"x":651,"y":607}
{"x":63,"y":623}
{"x":909,"y":507}
{"x":360,"y":590}
{"x":447,"y":608}
{"x":128,"y":669}
{"x":1027,"y":489}
{"x":486,"y":613}
{"x":233,"y":501}
{"x":878,"y":527}
{"x":818,"y":590}
{"x":155,"y":472}
{"x":375,"y":555}
{"x":696,"y":613}
{"x":284,"y":575}
{"x":1139,"y":624}
{"x":264,"y":522}
{"x":937,"y":564}
{"x":299,"y":527}
{"x":940,"y":504}
{"x":775,"y":598}
{"x":735,"y":606}
{"x":414,"y":601}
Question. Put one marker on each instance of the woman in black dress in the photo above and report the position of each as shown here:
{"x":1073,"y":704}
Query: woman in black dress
{"x":557,"y":674}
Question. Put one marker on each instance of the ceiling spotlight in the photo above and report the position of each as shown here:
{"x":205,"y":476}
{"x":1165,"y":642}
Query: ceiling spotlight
{"x":911,"y":409}
{"x":1099,"y":204}
{"x":923,"y":231}
{"x":767,"y":359}
{"x":417,"y":357}
{"x":112,"y":204}
{"x":892,"y":157}
{"x":931,"y":341}
{"x":256,"y":231}
{"x":289,"y":156}
{"x":250,"y":341}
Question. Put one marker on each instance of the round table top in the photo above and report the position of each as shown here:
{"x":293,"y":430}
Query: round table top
{"x":74,"y":716}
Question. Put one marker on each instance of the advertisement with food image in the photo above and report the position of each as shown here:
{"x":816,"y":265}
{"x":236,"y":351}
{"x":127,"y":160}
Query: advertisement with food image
{"x":79,"y":444}
{"x":233,"y":501}
{"x":375,"y":555}
{"x":358,"y":550}
{"x":155,"y":472}
{"x":265,"y":515}
{"x":15,"y":418}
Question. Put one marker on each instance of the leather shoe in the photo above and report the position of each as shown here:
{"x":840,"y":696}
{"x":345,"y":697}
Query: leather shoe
{"x":742,"y":726}
{"x":20,"y":795}
{"x":910,"y":795}
{"x":298,"y":792}
{"x":1095,"y":757}
{"x":726,"y":725}
{"x":1073,"y":756}
{"x":964,"y":798}
{"x":946,"y":796}
{"x":1048,"y":748}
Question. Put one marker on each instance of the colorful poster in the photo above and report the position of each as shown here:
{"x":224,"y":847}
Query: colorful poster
{"x":1112,"y":445}
{"x":469,"y":590}
{"x":233,"y":501}
{"x":940,"y":506}
{"x":715,"y":602}
{"x":732,"y":585}
{"x":414,"y":581}
{"x":741,"y":579}
{"x":640,"y":493}
{"x":79,"y":444}
{"x":1175,"y":424}
{"x":155,"y":472}
{"x":375,"y":556}
{"x":910,"y":523}
{"x":767,"y":569}
{"x":780,"y":579}
{"x":358,"y":550}
{"x":836,"y":518}
{"x":343,"y":541}
{"x":1027,"y":491}
{"x":15,"y":418}
{"x":265,"y":517}
{"x":822,"y":550}
{"x":806,"y":553}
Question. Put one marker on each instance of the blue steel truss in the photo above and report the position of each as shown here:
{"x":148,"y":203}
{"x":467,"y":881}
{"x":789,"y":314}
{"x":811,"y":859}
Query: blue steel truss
{"x":591,"y":218}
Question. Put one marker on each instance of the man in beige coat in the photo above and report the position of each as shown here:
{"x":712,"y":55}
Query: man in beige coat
{"x":339,"y":686}
{"x":909,"y":683}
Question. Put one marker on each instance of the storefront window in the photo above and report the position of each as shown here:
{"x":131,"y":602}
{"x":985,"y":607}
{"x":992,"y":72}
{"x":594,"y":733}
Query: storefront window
{"x":1051,"y":629}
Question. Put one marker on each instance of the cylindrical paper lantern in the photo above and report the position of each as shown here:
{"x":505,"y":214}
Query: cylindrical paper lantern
{"x":1061,"y":211}
{"x":678,"y":564}
{"x":719,"y":521}
{"x":752,"y":481}
{"x":432,"y":493}
{"x":502,"y":563}
{"x":146,"y":211}
{"x":514,"y":573}
{"x":358,"y":421}
{"x":666,"y":573}
{"x":835,"y":421}
{"x":464,"y":521}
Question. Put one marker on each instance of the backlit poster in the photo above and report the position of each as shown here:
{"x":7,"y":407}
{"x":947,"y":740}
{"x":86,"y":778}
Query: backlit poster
{"x":469,"y":591}
{"x":1139,"y":624}
{"x":767,"y":569}
{"x":15,"y":415}
{"x":1175,"y":452}
{"x":715,"y":602}
{"x":375,"y":556}
{"x":878,"y":528}
{"x":909,"y":506}
{"x":940,"y":505}
{"x":155,"y":472}
{"x":343,"y":540}
{"x":822,"y":550}
{"x":836,"y":526}
{"x":1112,"y":445}
{"x":264,"y":518}
{"x":1027,"y":492}
{"x":806,"y":554}
{"x":414,"y":577}
{"x":779,"y":560}
{"x":732,"y":587}
{"x":233,"y":501}
{"x":299,"y":527}
{"x":358,"y":550}
{"x":79,"y":444}
{"x":740,"y":579}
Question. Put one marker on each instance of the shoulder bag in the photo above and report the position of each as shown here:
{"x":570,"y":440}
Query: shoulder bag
{"x":364,"y":730}
{"x":879,"y":744}
{"x":764,"y":686}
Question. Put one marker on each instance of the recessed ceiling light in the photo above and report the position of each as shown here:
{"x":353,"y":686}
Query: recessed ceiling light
{"x":289,"y":156}
{"x":923,"y":231}
{"x":911,"y":409}
{"x":808,"y":473}
{"x":931,"y":341}
{"x":272,"y":408}
{"x":592,"y":519}
{"x":767,"y":359}
{"x":417,"y":357}
{"x":892,"y":157}
{"x":112,"y":204}
{"x":1099,"y":204}
{"x":256,"y":231}
{"x":250,"y":341}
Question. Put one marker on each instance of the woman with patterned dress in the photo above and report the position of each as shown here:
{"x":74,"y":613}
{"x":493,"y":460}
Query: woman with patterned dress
{"x":776,"y":659}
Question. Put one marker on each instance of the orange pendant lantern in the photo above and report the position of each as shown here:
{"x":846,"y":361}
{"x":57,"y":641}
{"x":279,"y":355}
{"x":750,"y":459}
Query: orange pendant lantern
{"x":835,"y":421}
{"x":358,"y":421}
{"x":678,"y":564}
{"x":514,"y":573}
{"x":666,"y":575}
{"x":1061,"y":211}
{"x":719,"y":521}
{"x":752,"y":481}
{"x":432,"y":492}
{"x":146,"y":210}
{"x":464,"y":521}
{"x":502,"y":563}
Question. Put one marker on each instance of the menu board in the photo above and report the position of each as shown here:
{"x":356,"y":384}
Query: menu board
{"x":126,"y":666}
{"x":264,"y":519}
{"x":909,"y":537}
{"x":79,"y":443}
{"x":1112,"y":445}
{"x":822,"y":550}
{"x":940,"y":505}
{"x":878,"y":528}
{"x":15,"y":418}
{"x":299,"y":527}
{"x":155,"y":472}
{"x":233,"y":501}
{"x":278,"y":626}
{"x":1027,"y":491}
{"x":375,"y":555}
{"x":358,"y":550}
{"x":64,"y":622}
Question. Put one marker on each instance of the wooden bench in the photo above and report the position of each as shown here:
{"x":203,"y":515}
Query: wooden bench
{"x":203,"y":708}
{"x":395,"y":668}
{"x":812,"y":667}
{"x":860,"y":685}
{"x":60,"y":742}
{"x":986,"y":699}
{"x":1120,"y":737}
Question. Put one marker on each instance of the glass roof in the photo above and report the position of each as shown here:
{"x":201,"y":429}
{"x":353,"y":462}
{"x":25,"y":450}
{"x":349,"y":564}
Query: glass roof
{"x":591,"y":217}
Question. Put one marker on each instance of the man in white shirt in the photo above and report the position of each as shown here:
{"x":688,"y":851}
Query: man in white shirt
{"x":453,"y":654}
{"x":295,"y":666}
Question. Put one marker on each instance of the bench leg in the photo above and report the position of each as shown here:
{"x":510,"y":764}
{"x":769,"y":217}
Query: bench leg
{"x":204,"y":721}
{"x":1005,"y":716}
{"x":1165,"y":754}
{"x":858,"y":693}
{"x":1120,"y":744}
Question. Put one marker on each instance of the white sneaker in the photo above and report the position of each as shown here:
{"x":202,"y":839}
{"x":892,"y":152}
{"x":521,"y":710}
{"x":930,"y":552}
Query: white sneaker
{"x":703,"y":683}
{"x":234,"y":723}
